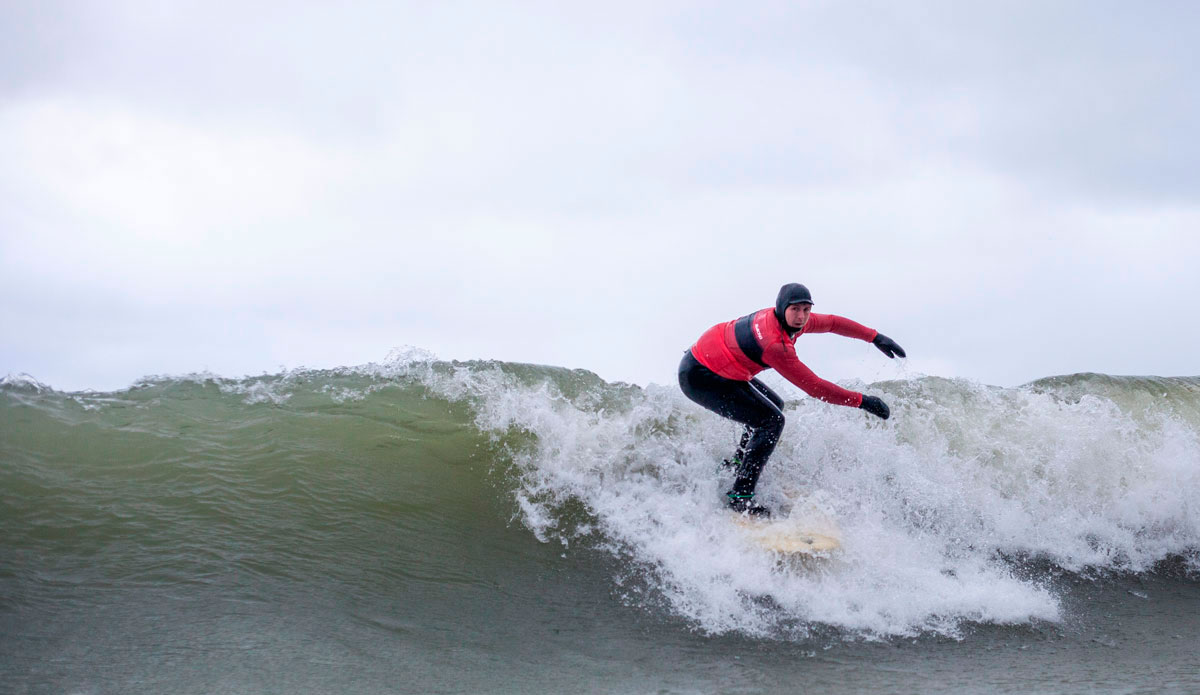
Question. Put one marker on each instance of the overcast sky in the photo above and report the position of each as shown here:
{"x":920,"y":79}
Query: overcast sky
{"x":1010,"y":190}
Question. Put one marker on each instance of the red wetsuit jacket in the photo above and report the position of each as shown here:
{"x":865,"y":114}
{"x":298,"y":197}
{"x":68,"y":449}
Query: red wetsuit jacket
{"x":741,"y":348}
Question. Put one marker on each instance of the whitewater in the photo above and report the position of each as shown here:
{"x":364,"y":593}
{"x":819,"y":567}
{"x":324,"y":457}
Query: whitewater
{"x":418,"y":525}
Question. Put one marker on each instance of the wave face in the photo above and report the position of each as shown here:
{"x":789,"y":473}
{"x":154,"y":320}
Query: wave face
{"x":964,"y":508}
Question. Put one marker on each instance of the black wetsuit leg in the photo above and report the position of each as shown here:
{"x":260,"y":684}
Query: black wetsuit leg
{"x":774,"y":398}
{"x":751,"y":403}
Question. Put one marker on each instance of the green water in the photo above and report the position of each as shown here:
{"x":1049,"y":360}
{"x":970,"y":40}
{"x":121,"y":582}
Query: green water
{"x":356,"y":531}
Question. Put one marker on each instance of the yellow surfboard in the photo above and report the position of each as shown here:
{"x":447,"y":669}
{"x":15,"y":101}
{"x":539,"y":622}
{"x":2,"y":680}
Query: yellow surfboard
{"x":806,"y":535}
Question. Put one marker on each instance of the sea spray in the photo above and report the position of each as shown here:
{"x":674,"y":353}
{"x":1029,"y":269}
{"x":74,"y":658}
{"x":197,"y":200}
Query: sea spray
{"x":934,"y":504}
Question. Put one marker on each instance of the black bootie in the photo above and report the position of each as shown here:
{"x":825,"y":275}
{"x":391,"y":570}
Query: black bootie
{"x":745,"y":504}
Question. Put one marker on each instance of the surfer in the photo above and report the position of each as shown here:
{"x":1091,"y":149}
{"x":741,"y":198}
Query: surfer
{"x":718,"y":372}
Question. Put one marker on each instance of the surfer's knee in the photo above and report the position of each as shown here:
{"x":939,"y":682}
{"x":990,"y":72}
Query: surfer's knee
{"x":773,"y":423}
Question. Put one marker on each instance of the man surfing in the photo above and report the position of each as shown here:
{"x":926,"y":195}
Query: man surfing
{"x":718,"y":372}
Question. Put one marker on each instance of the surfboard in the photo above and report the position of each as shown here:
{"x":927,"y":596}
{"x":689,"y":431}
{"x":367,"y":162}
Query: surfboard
{"x":805,"y":535}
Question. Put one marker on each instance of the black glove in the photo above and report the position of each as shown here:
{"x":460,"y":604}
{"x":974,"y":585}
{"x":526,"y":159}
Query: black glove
{"x":888,"y":346}
{"x":874,"y":406}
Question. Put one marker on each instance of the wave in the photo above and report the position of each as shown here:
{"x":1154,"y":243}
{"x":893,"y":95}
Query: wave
{"x":962,"y":509}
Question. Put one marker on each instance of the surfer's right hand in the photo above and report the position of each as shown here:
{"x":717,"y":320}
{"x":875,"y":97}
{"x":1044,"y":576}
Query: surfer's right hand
{"x":875,"y":406}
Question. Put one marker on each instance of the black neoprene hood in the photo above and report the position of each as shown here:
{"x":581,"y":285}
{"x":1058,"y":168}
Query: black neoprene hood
{"x":791,"y":293}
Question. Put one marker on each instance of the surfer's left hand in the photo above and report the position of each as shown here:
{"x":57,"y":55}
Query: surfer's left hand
{"x":888,"y":346}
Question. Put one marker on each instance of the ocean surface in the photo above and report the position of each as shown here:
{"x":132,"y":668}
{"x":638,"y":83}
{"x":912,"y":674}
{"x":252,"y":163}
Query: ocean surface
{"x":419,"y":526}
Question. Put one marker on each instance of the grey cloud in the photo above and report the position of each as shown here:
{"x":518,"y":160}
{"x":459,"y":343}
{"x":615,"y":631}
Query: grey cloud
{"x":1088,"y":99}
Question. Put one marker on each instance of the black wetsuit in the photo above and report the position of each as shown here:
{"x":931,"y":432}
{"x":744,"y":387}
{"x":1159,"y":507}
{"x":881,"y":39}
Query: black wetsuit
{"x":751,"y":403}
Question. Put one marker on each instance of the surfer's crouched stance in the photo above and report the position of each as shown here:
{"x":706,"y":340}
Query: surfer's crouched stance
{"x":718,"y":373}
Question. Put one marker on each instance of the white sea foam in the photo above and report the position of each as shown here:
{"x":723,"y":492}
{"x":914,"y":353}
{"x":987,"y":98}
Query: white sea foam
{"x":933,"y":505}
{"x":24,"y":382}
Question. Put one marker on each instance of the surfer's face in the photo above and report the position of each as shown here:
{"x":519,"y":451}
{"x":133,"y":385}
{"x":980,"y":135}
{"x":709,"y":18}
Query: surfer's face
{"x":797,"y":315}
